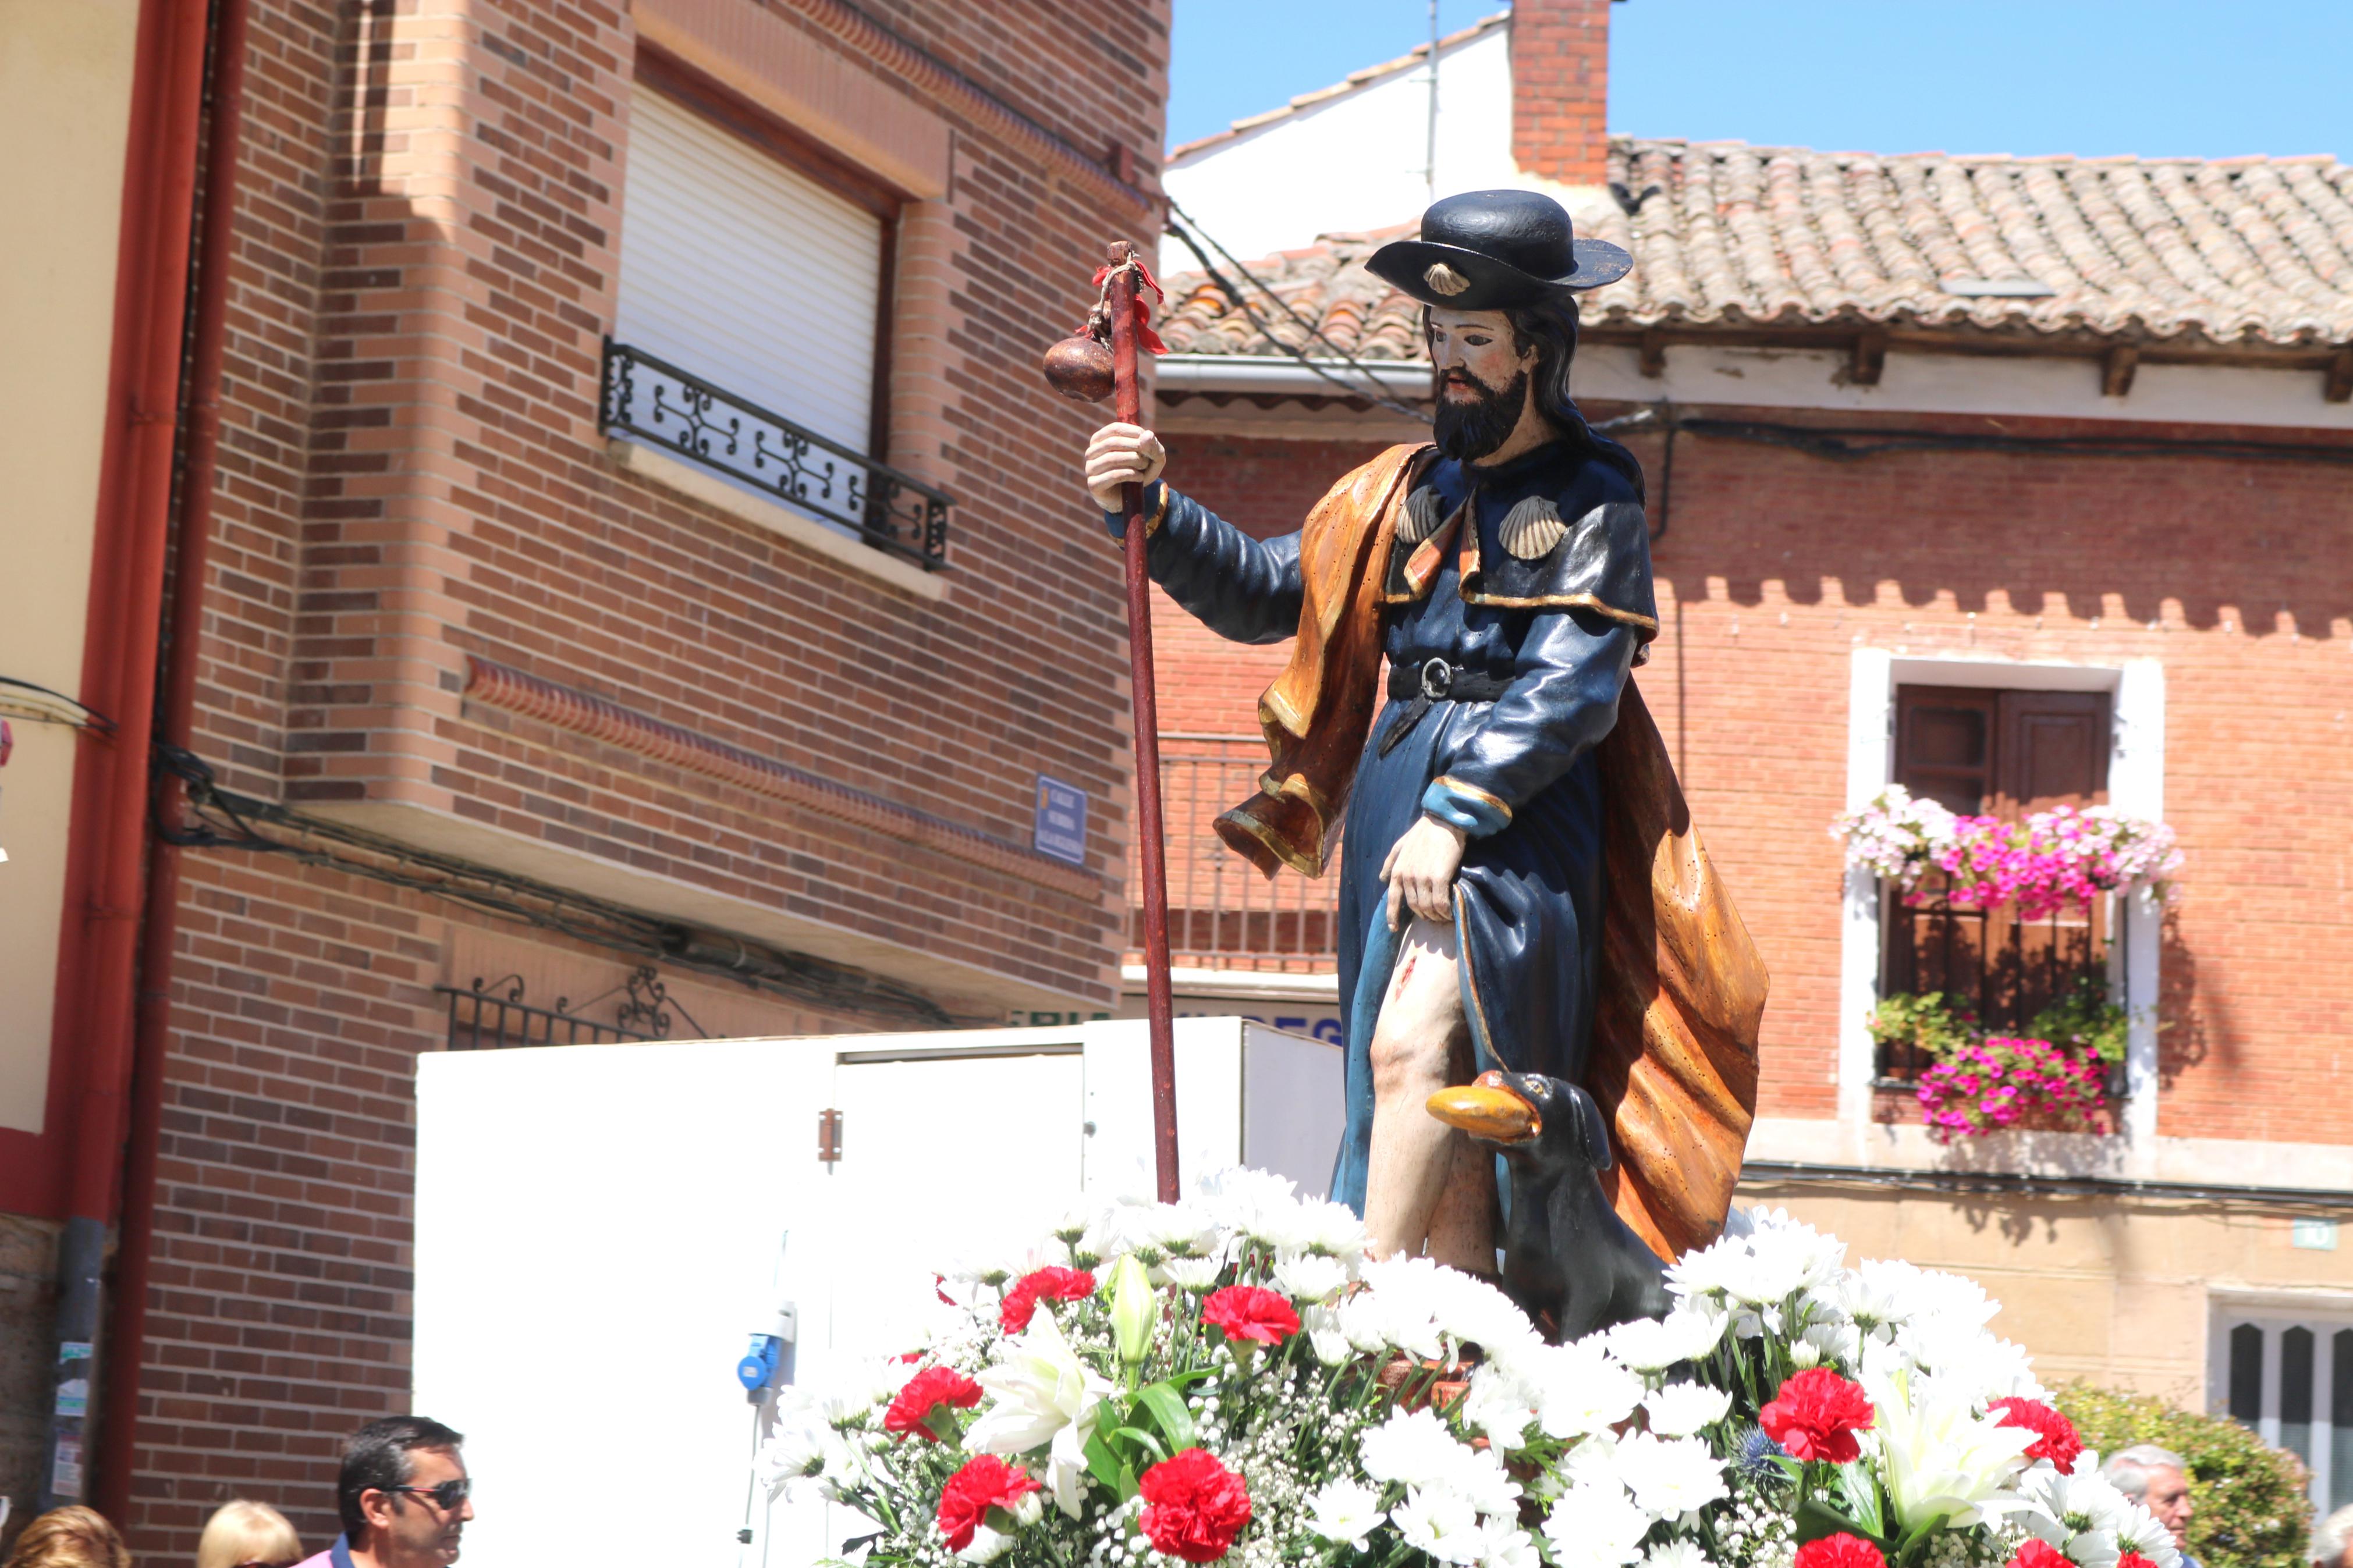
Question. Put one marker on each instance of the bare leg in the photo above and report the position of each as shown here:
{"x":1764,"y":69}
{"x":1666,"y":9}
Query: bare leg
{"x":1419,"y":1185}
{"x":1462,"y":1227}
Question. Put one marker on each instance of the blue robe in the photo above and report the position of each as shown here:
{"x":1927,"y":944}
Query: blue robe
{"x":1516,"y":773}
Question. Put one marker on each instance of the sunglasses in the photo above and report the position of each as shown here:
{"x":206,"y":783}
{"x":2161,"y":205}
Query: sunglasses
{"x":446,"y":1497}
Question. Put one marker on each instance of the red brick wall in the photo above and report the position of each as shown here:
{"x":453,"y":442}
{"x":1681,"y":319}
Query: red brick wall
{"x":1561,"y":90}
{"x":1777,"y":566}
{"x":1208,"y":685}
{"x":416,"y":475}
{"x":425,"y":261}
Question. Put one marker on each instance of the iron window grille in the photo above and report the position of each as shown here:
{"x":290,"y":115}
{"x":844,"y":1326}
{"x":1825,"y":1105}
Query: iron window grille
{"x":491,"y":1014}
{"x":657,"y":402}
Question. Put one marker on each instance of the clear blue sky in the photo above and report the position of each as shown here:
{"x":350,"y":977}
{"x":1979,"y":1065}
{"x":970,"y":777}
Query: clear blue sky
{"x":2156,"y":77}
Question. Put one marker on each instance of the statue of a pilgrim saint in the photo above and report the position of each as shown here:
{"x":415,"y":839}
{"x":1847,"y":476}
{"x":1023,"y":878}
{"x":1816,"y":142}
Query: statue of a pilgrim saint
{"x":1516,"y":862}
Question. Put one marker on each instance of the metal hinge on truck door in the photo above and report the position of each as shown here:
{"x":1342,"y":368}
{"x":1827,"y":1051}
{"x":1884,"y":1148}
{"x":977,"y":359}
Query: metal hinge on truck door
{"x":828,"y":1137}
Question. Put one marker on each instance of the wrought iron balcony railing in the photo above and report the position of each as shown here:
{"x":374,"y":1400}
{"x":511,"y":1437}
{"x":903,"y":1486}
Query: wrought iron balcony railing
{"x":657,"y":402}
{"x":1221,"y":913}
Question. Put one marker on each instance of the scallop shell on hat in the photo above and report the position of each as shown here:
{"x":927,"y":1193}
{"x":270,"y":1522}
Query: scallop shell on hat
{"x":1421,"y":517}
{"x":1444,"y":280}
{"x":1532,"y":528}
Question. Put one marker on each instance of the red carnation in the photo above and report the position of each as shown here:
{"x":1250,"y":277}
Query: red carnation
{"x":2134,"y":1560}
{"x":1042,"y":1285}
{"x":2055,"y":1437}
{"x":1816,"y":1416}
{"x":926,"y":1392}
{"x":1247,"y":1312}
{"x":985,"y":1482}
{"x":2034,"y":1552}
{"x":1198,"y":1505}
{"x":1839,"y":1550}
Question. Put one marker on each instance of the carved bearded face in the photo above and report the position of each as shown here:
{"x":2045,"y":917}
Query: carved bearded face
{"x":1479,"y":378}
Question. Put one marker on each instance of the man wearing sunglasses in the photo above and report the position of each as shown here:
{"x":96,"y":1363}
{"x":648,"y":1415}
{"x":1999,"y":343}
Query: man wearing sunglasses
{"x":403,"y":1493}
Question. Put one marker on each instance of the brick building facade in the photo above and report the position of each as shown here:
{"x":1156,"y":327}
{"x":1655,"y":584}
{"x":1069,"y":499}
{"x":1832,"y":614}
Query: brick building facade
{"x":490,"y":694}
{"x":1915,"y":429}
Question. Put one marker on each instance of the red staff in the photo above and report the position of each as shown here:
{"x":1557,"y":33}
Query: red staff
{"x":1083,"y":367}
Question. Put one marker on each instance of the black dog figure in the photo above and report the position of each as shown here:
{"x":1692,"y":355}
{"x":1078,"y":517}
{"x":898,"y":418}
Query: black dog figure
{"x":1569,"y":1260}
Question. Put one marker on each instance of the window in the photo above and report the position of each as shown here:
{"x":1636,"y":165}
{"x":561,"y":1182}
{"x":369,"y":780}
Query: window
{"x":751,"y":273}
{"x":1993,"y":753}
{"x":2287,"y":1375}
{"x":749,"y":361}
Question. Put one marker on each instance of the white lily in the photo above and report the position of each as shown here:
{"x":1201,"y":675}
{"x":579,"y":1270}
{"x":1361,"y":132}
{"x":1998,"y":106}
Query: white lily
{"x":1943,"y":1459}
{"x":1044,"y":1397}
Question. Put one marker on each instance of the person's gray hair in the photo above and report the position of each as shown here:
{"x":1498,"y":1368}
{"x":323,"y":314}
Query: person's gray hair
{"x":2332,"y":1536}
{"x":2127,"y":1468}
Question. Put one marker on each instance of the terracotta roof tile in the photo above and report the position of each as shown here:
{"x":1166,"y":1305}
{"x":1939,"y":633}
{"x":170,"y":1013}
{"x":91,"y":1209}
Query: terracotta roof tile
{"x":2244,"y":249}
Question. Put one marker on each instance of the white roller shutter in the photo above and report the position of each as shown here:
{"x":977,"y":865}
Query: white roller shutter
{"x":744,"y":272}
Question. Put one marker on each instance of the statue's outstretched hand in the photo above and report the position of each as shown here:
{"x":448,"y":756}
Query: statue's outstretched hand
{"x":1421,"y":872}
{"x":1121,"y":454}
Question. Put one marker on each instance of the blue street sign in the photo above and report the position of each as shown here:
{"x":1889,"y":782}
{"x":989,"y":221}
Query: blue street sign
{"x":1062,"y":821}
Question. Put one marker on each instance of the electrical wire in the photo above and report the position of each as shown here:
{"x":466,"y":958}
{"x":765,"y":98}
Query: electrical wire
{"x":1183,"y":226}
{"x":81,"y":717}
{"x":222,"y":819}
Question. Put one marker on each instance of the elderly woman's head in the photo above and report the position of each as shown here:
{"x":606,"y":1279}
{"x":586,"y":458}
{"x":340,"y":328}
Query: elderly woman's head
{"x":244,"y":1534}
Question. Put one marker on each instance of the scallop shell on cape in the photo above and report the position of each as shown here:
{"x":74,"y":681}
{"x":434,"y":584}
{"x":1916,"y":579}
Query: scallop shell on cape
{"x":1532,"y":528}
{"x":1422,"y":516}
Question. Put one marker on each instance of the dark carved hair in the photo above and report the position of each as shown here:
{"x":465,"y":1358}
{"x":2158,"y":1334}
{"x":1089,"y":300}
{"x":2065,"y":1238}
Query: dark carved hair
{"x":377,"y":1459}
{"x":1550,"y":325}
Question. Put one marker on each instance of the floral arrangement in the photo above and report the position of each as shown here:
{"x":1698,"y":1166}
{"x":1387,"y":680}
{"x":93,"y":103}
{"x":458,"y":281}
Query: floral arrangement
{"x":1983,"y":1087}
{"x":1232,"y":1380}
{"x":2055,"y":859}
{"x":2056,"y":1073}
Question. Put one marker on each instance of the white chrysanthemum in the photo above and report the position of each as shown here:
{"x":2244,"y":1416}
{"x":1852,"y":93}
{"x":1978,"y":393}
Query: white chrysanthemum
{"x":1478,"y":1475}
{"x":1195,"y":1274}
{"x":1256,"y":1203}
{"x":987,"y":1544}
{"x":1181,"y":1229}
{"x":1500,"y":1406}
{"x":1682,"y":1409}
{"x":1441,"y":1522}
{"x":1643,"y":1343}
{"x":1504,"y":1544}
{"x":1592,"y":1463}
{"x":2140,"y":1531}
{"x":1401,"y":1309}
{"x":1322,"y":1325}
{"x":1333,"y":1230}
{"x":802,"y":1447}
{"x":1412,"y":1447}
{"x":1310,"y":1276}
{"x":1118,"y":1228}
{"x":1669,"y":1477}
{"x":1677,"y":1553}
{"x":1832,"y":1341}
{"x":1596,"y":1527}
{"x":1695,"y":1328}
{"x":1471,"y":1311}
{"x":1578,"y":1389}
{"x":1709,"y":1270}
{"x":2081,"y":1513}
{"x":1345,"y":1510}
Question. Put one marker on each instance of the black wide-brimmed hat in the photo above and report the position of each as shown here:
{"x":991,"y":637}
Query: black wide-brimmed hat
{"x":1493,"y":250}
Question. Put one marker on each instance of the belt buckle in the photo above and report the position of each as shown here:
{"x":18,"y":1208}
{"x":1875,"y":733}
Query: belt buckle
{"x":1437,"y":679}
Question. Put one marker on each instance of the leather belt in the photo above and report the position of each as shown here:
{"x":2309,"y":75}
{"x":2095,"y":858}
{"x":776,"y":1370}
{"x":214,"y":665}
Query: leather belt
{"x":1433,"y":681}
